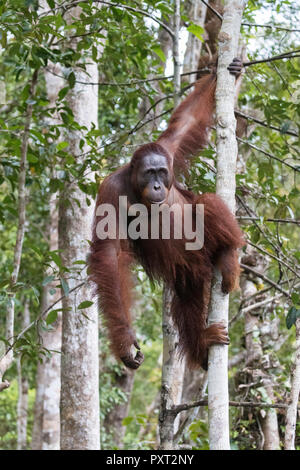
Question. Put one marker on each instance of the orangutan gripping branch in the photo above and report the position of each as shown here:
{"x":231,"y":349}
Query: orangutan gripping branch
{"x":149,"y":180}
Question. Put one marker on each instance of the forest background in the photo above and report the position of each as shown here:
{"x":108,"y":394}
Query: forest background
{"x":79,"y":92}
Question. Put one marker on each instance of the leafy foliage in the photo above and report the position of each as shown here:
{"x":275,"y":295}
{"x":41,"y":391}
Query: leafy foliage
{"x":126,"y":45}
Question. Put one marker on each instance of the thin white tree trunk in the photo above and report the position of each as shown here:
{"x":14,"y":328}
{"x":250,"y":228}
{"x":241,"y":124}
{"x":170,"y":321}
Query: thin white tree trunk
{"x":22,"y":406}
{"x":197,"y":14}
{"x":80,"y":428}
{"x":218,"y":397}
{"x":172,"y":378}
{"x":46,"y":429}
{"x":173,"y":367}
{"x":292,"y":412}
{"x":7,"y":359}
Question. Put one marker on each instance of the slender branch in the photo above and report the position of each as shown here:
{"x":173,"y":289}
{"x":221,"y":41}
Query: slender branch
{"x":254,"y":25}
{"x":259,"y":304}
{"x":257,"y":247}
{"x":262,"y":292}
{"x":39,"y":318}
{"x":133,"y":82}
{"x":140,"y":124}
{"x":285,"y":55}
{"x":125,"y":7}
{"x":218,"y":15}
{"x":268,"y":154}
{"x":262,"y":123}
{"x":266,"y":279}
{"x":280,"y":221}
{"x":251,"y":404}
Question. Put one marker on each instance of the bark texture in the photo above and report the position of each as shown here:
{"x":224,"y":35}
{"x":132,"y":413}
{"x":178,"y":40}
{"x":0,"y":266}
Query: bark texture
{"x":46,"y":429}
{"x":173,"y":367}
{"x":292,"y":412}
{"x":22,"y":406}
{"x":7,"y":359}
{"x":79,"y":361}
{"x":225,"y":187}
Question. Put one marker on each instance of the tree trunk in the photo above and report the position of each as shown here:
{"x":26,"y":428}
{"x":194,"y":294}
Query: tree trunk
{"x":292,"y":412}
{"x":46,"y":429}
{"x":225,"y":187}
{"x":79,"y":362}
{"x":22,"y":406}
{"x":260,"y":339}
{"x":172,"y":378}
{"x":173,"y":367}
{"x":7,"y":359}
{"x":197,"y":14}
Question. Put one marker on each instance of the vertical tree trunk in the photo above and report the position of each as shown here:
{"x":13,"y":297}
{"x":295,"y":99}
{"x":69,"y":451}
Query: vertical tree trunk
{"x":260,"y":339}
{"x":173,"y":367}
{"x":22,"y":406}
{"x":79,"y":362}
{"x":225,"y":187}
{"x":292,"y":412}
{"x":46,"y":429}
{"x":197,"y":15}
{"x":194,"y":381}
{"x":7,"y":359}
{"x":172,"y":378}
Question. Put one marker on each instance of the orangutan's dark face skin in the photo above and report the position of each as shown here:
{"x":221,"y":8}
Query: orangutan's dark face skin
{"x":153,"y":179}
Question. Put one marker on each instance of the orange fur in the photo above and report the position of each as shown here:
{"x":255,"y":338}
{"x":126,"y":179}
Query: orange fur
{"x":187,"y":273}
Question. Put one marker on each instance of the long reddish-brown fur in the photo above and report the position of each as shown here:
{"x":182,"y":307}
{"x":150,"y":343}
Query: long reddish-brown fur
{"x":188,"y":273}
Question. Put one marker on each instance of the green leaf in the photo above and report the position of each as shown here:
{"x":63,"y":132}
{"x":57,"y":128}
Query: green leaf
{"x":72,"y":79}
{"x":196,"y":30}
{"x":47,"y":280}
{"x":62,"y":93}
{"x":62,"y":145}
{"x":56,"y":258}
{"x":295,"y":298}
{"x":292,"y":316}
{"x":160,"y":53}
{"x":85,"y":304}
{"x":51,"y":3}
{"x":51,"y":317}
{"x":127,"y":420}
{"x":65,"y":286}
{"x":32,"y":158}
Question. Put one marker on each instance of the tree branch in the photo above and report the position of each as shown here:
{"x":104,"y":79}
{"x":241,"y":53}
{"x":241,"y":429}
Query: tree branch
{"x":262,"y":123}
{"x":218,"y":15}
{"x":251,"y":404}
{"x":39,"y":318}
{"x":266,"y":279}
{"x":285,"y":55}
{"x":67,"y":6}
{"x":268,"y":154}
{"x":254,"y":25}
{"x":134,"y":81}
{"x":280,"y":221}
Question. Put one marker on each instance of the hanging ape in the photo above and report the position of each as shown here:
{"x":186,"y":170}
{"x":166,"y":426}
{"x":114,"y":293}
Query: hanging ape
{"x":149,"y":179}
